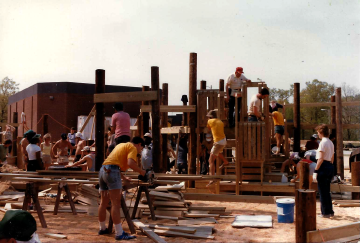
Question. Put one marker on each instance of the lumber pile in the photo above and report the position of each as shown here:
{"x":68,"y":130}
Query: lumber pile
{"x":346,"y":203}
{"x":190,"y":232}
{"x":7,"y":168}
{"x":87,"y":195}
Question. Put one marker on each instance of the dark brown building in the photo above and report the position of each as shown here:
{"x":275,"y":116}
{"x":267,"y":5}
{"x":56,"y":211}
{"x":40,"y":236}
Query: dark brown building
{"x":63,"y":102}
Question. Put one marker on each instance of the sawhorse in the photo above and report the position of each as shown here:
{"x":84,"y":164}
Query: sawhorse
{"x":32,"y":192}
{"x":64,"y":185}
{"x":143,"y":188}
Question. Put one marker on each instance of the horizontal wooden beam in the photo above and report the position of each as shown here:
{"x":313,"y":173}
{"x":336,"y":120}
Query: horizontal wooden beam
{"x":170,"y":108}
{"x":12,"y":124}
{"x":125,"y":96}
{"x":333,"y":233}
{"x":319,"y":104}
{"x":229,"y":198}
{"x":308,"y":126}
{"x":175,"y":130}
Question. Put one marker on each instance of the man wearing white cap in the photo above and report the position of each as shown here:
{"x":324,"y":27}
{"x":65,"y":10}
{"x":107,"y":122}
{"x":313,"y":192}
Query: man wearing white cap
{"x":146,"y":153}
{"x":80,"y":144}
{"x":88,"y":160}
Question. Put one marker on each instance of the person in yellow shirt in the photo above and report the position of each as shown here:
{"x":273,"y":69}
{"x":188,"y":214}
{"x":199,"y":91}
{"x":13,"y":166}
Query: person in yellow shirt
{"x":217,"y":130}
{"x":123,"y":157}
{"x":279,"y":129}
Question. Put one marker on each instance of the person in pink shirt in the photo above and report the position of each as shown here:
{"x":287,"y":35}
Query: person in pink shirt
{"x":120,"y":124}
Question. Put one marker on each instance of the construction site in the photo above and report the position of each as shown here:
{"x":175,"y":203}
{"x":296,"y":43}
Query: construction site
{"x":247,"y":200}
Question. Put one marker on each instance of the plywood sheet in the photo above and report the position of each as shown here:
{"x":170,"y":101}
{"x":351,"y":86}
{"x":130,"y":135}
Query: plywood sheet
{"x":256,"y":221}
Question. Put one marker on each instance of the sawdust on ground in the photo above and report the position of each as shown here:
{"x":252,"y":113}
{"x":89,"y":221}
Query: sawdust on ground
{"x":84,"y":228}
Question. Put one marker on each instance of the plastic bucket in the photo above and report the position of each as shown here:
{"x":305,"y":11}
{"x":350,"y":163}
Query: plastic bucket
{"x":285,"y":210}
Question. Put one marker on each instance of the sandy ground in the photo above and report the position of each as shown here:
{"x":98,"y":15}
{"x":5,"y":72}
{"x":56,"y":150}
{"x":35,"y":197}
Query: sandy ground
{"x":84,"y":228}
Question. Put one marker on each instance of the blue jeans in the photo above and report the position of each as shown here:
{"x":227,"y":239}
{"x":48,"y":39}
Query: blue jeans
{"x":109,"y":177}
{"x":252,"y":119}
{"x":325,"y":174}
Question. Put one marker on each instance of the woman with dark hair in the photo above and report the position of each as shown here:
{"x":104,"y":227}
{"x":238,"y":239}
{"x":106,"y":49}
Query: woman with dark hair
{"x":34,"y":154}
{"x":324,"y":170}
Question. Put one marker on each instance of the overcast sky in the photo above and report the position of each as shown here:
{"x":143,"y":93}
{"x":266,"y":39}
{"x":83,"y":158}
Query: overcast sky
{"x":280,"y":42}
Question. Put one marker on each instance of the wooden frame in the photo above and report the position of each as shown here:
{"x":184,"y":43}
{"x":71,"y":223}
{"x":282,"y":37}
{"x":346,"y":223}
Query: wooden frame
{"x":334,"y":233}
{"x":126,"y":96}
{"x":170,"y":108}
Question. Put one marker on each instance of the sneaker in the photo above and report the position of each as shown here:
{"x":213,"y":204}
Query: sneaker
{"x":104,"y":232}
{"x":125,"y":236}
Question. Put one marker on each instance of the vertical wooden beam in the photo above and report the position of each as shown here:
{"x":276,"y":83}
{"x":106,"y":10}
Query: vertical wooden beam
{"x":221,"y":85}
{"x":339,"y":135}
{"x":155,"y":116}
{"x":333,"y":115}
{"x":145,"y":115}
{"x":355,"y":178}
{"x":192,"y":115}
{"x":304,"y":175}
{"x":164,"y":121}
{"x":296,"y":111}
{"x":99,"y":120}
{"x":15,"y":135}
{"x":184,"y":100}
{"x":198,"y":167}
{"x":305,"y":201}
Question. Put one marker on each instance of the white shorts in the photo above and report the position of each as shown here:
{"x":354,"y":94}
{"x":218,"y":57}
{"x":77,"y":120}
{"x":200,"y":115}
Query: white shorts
{"x":218,"y":147}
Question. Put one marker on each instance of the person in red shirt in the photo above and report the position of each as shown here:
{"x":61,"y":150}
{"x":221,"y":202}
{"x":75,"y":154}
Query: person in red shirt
{"x":312,"y":143}
{"x":120,"y":124}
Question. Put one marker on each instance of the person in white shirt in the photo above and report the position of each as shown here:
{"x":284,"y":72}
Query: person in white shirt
{"x":234,"y":85}
{"x":34,"y":154}
{"x":324,"y":170}
{"x":254,"y":106}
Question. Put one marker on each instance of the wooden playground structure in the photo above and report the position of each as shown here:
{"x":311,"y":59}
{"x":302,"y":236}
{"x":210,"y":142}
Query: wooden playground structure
{"x":250,"y":141}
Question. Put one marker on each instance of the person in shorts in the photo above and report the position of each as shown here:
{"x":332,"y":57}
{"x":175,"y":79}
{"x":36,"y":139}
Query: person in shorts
{"x":217,"y":130}
{"x":312,"y":166}
{"x":123,"y":157}
{"x":279,"y":129}
{"x":46,"y":151}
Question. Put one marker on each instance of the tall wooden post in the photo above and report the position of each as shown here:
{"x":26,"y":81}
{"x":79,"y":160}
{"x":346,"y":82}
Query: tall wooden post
{"x":333,"y":115}
{"x":296,"y":117}
{"x":45,"y":124}
{"x":155,"y":116}
{"x":339,"y":135}
{"x":304,"y":175}
{"x":221,"y":85}
{"x":192,"y":115}
{"x":99,"y":120}
{"x":145,"y":115}
{"x":184,"y":100}
{"x":355,"y":178}
{"x":164,"y":121}
{"x":305,"y":201}
{"x":15,"y":135}
{"x":140,"y":126}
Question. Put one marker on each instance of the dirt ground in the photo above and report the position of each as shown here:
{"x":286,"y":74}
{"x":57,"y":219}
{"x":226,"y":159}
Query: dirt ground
{"x":84,"y":228}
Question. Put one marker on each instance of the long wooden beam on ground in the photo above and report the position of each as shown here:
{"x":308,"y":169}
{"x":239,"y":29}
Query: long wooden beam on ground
{"x":125,"y":96}
{"x":302,"y":105}
{"x":333,"y":233}
{"x":229,"y":198}
{"x":153,"y":236}
{"x":170,"y":108}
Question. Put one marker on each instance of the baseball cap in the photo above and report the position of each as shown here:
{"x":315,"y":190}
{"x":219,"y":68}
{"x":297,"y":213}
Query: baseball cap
{"x":148,"y":135}
{"x":315,"y":135}
{"x":29,"y":133}
{"x":79,"y":135}
{"x":17,"y":224}
{"x":86,"y":149}
{"x":239,"y":69}
{"x":211,"y":113}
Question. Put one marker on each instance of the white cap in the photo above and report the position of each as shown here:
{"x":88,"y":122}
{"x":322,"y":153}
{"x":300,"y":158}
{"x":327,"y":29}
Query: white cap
{"x":148,"y":135}
{"x":79,"y":135}
{"x":86,"y":148}
{"x":315,"y":136}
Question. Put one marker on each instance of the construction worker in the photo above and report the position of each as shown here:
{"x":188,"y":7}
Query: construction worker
{"x":111,"y":180}
{"x":279,"y":129}
{"x":217,"y":130}
{"x":254,"y":107}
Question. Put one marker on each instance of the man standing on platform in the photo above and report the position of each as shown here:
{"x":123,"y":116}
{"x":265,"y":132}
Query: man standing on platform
{"x":254,"y":107}
{"x":234,"y":85}
{"x":217,"y":130}
{"x":123,"y":157}
{"x":120,"y":124}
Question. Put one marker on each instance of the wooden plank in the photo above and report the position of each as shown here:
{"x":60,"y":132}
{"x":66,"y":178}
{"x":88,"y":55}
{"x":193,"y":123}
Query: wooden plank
{"x":169,"y":213}
{"x":153,"y":236}
{"x":345,"y":201}
{"x":47,"y":180}
{"x":257,"y":221}
{"x":200,"y":215}
{"x":198,"y":221}
{"x":229,"y":198}
{"x":258,"y":143}
{"x":170,"y":108}
{"x":253,"y":141}
{"x":333,"y":233}
{"x":167,"y":203}
{"x":187,"y":230}
{"x":166,"y":217}
{"x":179,"y":234}
{"x":92,"y":113}
{"x":175,"y":130}
{"x":169,"y":188}
{"x":55,"y":236}
{"x":249,"y":140}
{"x":347,"y":205}
{"x":165,"y":195}
{"x":125,"y":97}
{"x":194,"y":207}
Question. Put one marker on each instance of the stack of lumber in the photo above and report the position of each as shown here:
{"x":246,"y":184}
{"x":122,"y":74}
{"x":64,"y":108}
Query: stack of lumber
{"x":346,"y":203}
{"x":87,"y":195}
{"x":8,"y":198}
{"x":193,"y":232}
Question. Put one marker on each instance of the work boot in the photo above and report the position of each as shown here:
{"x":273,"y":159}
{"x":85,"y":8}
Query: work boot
{"x":125,"y":236}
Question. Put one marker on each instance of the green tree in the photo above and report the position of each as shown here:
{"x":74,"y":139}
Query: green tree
{"x":8,"y":87}
{"x":282,"y":96}
{"x":351,"y":114}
